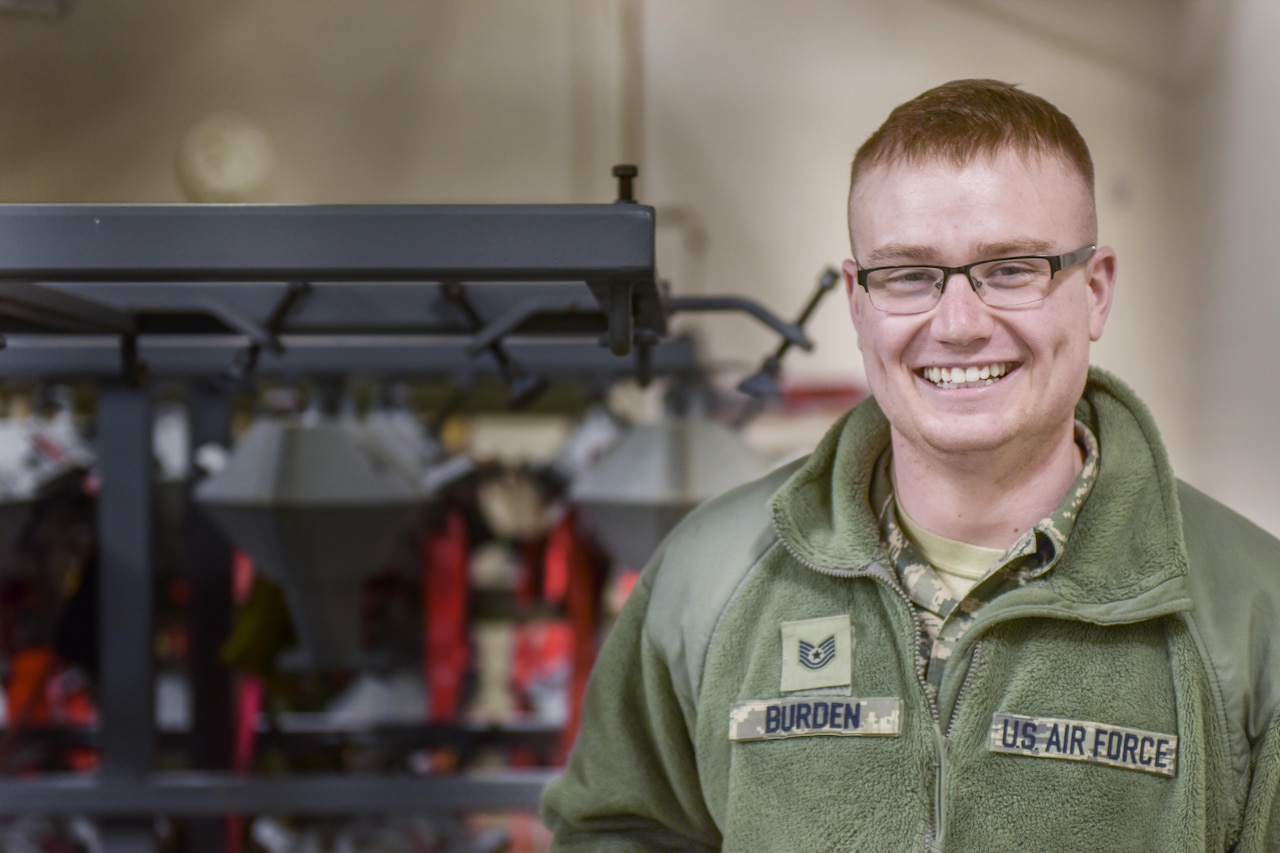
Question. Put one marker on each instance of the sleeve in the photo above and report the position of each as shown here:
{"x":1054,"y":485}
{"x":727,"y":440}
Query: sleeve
{"x":1262,"y":811}
{"x":631,"y":782}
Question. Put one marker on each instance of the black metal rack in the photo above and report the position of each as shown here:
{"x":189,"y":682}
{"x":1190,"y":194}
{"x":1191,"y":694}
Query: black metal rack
{"x":123,"y":294}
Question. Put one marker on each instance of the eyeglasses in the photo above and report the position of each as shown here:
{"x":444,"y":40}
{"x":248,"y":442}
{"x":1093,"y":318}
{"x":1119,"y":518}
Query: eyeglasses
{"x":1000,"y":282}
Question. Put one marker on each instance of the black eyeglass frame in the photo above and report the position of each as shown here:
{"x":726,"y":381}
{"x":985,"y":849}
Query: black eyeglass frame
{"x":1057,"y":263}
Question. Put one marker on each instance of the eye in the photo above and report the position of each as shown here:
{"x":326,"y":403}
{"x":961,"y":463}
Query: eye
{"x":1019,"y":272}
{"x":905,"y":279}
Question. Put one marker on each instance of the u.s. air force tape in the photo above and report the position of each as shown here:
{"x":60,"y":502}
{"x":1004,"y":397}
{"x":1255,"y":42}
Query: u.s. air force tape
{"x":1077,"y":740}
{"x":809,"y":716}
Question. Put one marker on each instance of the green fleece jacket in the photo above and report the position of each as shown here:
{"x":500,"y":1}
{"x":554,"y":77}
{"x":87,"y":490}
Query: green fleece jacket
{"x":707,"y":727}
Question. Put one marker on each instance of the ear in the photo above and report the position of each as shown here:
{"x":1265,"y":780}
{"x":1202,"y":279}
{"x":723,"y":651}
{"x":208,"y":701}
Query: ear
{"x":1101,"y":284}
{"x":850,"y":271}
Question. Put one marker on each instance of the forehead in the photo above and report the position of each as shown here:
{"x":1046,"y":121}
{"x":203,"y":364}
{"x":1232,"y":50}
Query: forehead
{"x":949,"y":208}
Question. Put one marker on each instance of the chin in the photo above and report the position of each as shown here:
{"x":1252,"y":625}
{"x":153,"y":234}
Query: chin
{"x":954,"y":435}
{"x":964,"y":444}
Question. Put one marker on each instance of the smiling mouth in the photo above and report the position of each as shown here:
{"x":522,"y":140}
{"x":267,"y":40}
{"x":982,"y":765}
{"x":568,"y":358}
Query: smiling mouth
{"x":949,"y":378}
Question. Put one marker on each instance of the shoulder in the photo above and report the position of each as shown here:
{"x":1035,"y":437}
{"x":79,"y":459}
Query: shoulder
{"x":700,"y":566}
{"x":1229,"y":554}
{"x":1234,"y":580}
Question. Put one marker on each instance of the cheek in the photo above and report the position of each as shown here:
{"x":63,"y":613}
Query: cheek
{"x":885,"y":338}
{"x":1060,"y":331}
{"x":857,"y":310}
{"x":863,"y":339}
{"x":862,"y":331}
{"x":870,"y":344}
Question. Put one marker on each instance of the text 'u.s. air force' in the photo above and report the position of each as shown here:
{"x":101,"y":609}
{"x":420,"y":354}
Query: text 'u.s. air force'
{"x":809,"y":716}
{"x":1076,"y":740}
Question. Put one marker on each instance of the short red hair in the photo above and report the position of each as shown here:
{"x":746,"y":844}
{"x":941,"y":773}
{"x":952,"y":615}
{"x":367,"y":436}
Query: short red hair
{"x":965,"y":119}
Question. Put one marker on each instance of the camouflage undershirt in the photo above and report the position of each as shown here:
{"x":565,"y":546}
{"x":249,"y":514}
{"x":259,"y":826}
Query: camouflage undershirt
{"x":942,"y":617}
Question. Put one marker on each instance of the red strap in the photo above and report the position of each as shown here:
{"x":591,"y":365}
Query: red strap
{"x":249,"y":696}
{"x":26,"y":697}
{"x":446,"y":653}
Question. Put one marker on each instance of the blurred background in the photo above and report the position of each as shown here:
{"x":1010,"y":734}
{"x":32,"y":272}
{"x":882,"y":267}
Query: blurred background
{"x":742,"y":116}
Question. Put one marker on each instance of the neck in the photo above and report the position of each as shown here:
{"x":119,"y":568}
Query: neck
{"x":988,"y":498}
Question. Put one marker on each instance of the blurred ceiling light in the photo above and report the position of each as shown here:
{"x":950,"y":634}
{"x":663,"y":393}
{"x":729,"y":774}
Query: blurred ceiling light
{"x":225,"y":157}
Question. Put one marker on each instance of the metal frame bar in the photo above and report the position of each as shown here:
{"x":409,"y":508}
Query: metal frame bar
{"x":177,"y":356}
{"x":213,"y":794}
{"x":790,"y":332}
{"x":126,"y":692}
{"x":365,"y":306}
{"x":208,"y":555}
{"x":561,"y":242}
{"x":65,"y":311}
{"x":608,"y":248}
{"x":125,"y":557}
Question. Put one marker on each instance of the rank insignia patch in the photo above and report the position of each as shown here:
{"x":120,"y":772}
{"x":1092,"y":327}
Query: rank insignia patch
{"x":817,"y":654}
{"x":817,"y":657}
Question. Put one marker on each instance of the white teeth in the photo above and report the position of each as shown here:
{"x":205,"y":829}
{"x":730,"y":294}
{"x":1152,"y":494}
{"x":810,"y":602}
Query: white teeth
{"x":966,"y":377}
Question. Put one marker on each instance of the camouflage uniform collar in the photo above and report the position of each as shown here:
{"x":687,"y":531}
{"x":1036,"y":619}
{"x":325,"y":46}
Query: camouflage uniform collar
{"x":1034,"y":554}
{"x":1043,"y":544}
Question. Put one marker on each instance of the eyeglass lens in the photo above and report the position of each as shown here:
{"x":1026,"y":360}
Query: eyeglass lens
{"x":1001,"y":283}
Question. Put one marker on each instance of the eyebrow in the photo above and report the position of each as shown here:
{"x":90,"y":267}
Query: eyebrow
{"x":909,"y":253}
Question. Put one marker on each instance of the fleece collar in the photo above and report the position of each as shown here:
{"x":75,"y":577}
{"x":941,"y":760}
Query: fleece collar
{"x":1126,"y":555}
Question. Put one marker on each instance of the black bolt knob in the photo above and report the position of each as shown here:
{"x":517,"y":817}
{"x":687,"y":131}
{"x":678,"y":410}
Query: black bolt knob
{"x":626,"y":175}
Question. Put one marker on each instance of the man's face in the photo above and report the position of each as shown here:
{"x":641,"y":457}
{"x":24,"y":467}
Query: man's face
{"x":942,"y":214}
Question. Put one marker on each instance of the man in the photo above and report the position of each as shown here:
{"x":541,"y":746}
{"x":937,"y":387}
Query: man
{"x":983,"y":614}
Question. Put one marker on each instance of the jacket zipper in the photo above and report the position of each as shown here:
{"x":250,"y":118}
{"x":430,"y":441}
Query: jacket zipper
{"x":944,"y":744}
{"x":975,"y":656}
{"x":931,"y":831}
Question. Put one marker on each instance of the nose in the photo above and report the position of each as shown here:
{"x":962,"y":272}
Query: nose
{"x":960,"y":317}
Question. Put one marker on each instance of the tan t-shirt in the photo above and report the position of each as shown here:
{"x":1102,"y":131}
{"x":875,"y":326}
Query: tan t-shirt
{"x":960,"y":564}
